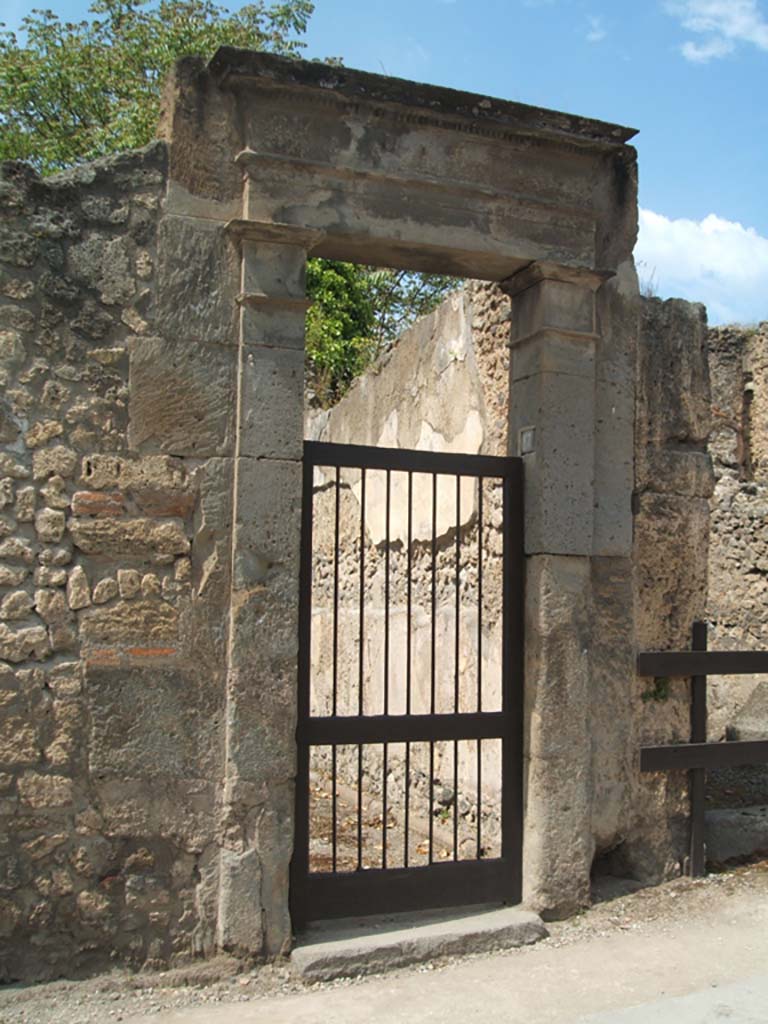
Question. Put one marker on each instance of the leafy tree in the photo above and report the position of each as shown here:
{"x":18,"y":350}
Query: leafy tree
{"x":70,"y":92}
{"x":74,"y":91}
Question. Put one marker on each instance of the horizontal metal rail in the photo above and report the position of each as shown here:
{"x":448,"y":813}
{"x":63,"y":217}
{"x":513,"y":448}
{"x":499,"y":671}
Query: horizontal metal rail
{"x":702,"y":663}
{"x":449,"y":884}
{"x":703,"y":755}
{"x":403,"y":728}
{"x":358,"y":456}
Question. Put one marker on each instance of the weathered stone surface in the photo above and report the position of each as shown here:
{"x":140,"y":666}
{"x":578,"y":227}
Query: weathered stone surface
{"x":24,"y":509}
{"x":48,"y":576}
{"x":16,"y":605}
{"x":272,"y":398}
{"x":19,"y":743}
{"x":144,"y":623}
{"x":198,"y":275}
{"x":42,"y":432}
{"x":49,"y":525}
{"x":136,"y":536}
{"x":21,"y":644}
{"x":16,"y":549}
{"x":51,"y":606}
{"x":181,"y":397}
{"x":128,"y":582}
{"x":42,"y":791}
{"x":12,"y":576}
{"x":105,"y":590}
{"x":57,"y":461}
{"x":149,"y":722}
{"x":78,"y":589}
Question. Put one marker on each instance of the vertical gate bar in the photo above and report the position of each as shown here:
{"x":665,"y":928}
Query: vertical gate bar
{"x":698,"y":776}
{"x":512,"y":680}
{"x":300,"y":860}
{"x":456,"y":682}
{"x":432,"y":669}
{"x":409,"y":570}
{"x":334,"y":703}
{"x":386,"y":666}
{"x":479,"y":655}
{"x":361,"y":665}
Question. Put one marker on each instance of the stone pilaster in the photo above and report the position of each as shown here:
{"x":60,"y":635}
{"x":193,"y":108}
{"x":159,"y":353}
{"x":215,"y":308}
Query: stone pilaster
{"x":263,"y":645}
{"x":553,"y":424}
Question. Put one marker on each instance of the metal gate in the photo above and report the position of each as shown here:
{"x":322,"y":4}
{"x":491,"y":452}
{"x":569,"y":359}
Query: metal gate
{"x":409,"y":780}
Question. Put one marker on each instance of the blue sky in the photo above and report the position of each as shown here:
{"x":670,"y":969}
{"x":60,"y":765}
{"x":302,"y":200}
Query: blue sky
{"x":691,"y":75}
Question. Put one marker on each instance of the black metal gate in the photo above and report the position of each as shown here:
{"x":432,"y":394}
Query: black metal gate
{"x":409,"y":781}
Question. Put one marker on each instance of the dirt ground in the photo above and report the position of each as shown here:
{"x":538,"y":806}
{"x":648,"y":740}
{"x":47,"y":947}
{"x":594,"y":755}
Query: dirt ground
{"x":118,"y":995}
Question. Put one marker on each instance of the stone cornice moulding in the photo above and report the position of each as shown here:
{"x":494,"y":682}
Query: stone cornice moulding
{"x":541,"y":270}
{"x":411,"y":102}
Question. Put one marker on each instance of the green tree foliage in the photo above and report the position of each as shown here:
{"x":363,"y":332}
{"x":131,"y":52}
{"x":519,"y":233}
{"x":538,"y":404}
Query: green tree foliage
{"x":358,"y":312}
{"x":70,"y":92}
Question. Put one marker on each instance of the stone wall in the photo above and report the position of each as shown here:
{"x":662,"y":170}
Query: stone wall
{"x":738,"y":565}
{"x":112,"y":516}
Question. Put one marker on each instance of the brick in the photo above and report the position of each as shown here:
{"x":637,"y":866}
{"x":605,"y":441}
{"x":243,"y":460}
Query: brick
{"x":98,"y":503}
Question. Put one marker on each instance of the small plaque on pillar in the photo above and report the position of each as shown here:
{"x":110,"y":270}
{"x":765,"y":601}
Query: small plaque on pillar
{"x":526,"y":440}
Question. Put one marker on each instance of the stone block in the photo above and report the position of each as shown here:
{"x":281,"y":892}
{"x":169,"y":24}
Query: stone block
{"x":181,"y":397}
{"x":142,"y":623}
{"x":136,"y":537}
{"x":687,"y":473}
{"x":128,"y":582}
{"x":268,"y":526}
{"x":154,"y":722}
{"x":240,"y":910}
{"x":614,"y":469}
{"x":57,"y":461}
{"x":19,"y":744}
{"x":22,"y":644}
{"x":198,"y":275}
{"x":42,"y":432}
{"x":559,"y":473}
{"x":24,"y":509}
{"x":275,"y":270}
{"x":558,"y":828}
{"x":12,"y":576}
{"x":16,"y":605}
{"x":272,"y":403}
{"x":273,"y":326}
{"x":16,"y":549}
{"x":105,"y":590}
{"x":43,"y":791}
{"x":51,"y":606}
{"x":50,"y":525}
{"x":78,"y":589}
{"x":552,"y":306}
{"x":674,"y":404}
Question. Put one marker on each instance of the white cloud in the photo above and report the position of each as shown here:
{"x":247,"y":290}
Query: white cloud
{"x":724,"y":23}
{"x":715,"y":261}
{"x":596,"y":31}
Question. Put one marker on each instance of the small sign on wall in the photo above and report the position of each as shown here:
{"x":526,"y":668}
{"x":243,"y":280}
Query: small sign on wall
{"x":526,"y":440}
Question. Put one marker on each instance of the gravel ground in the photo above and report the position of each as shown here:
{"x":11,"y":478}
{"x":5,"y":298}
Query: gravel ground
{"x":118,"y":995}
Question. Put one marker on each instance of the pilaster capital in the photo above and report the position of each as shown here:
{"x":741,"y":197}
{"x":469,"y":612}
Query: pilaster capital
{"x":540,"y":271}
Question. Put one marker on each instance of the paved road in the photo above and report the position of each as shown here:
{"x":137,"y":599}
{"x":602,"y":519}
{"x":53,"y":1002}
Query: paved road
{"x":707,"y":970}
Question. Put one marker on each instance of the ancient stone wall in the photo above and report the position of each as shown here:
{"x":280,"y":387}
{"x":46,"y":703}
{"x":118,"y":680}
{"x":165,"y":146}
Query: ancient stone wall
{"x":738,"y":564}
{"x":111,"y":581}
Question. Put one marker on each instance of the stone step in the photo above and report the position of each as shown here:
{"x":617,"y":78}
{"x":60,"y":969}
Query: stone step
{"x":357,"y":946}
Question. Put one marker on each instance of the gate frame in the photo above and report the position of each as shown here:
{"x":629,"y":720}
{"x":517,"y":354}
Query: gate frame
{"x":322,"y":895}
